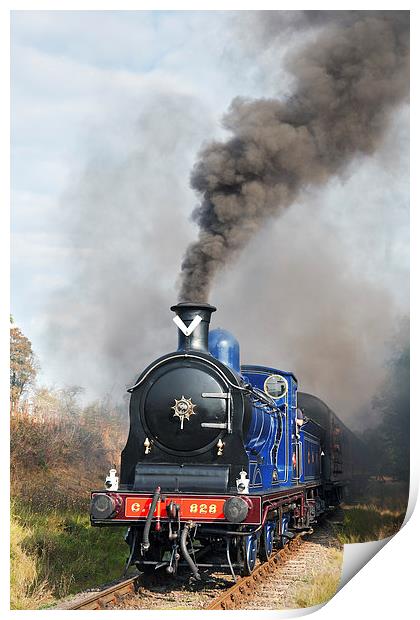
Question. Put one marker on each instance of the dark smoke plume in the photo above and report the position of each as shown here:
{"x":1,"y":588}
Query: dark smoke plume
{"x":348,"y":79}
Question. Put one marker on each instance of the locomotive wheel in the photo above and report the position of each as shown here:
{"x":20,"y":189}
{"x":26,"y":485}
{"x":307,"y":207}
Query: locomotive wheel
{"x":249,"y":554}
{"x":267,"y":541}
{"x":283,"y":528}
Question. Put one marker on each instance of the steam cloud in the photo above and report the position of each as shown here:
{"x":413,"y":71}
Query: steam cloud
{"x":348,"y":80}
{"x":327,"y":292}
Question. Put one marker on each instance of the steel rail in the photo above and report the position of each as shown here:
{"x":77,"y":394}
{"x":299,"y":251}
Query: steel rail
{"x":98,"y":600}
{"x":245,"y":587}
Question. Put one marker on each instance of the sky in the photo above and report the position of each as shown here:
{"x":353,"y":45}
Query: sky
{"x":109,"y":110}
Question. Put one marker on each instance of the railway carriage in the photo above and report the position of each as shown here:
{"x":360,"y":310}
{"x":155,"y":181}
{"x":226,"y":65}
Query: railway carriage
{"x":221,"y":457}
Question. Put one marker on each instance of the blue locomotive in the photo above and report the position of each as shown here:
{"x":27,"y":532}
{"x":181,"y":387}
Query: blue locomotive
{"x":221,"y":457}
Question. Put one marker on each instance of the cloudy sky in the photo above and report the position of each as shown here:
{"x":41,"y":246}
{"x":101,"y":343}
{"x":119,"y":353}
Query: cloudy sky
{"x":109,"y":110}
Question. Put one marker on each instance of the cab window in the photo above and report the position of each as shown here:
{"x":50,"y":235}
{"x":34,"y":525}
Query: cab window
{"x":275,"y":386}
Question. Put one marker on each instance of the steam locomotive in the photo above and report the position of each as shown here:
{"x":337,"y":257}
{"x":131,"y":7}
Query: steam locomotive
{"x":222,"y":457}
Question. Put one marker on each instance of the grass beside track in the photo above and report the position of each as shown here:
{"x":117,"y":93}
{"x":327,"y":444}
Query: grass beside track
{"x":322,"y":586}
{"x":361,"y":523}
{"x":379,"y":514}
{"x":54,"y":554}
{"x":364,"y":523}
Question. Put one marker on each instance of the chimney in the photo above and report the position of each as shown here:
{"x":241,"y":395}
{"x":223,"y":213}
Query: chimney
{"x":199,"y":339}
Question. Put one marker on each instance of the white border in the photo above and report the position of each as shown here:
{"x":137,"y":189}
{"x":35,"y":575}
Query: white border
{"x":387,"y":586}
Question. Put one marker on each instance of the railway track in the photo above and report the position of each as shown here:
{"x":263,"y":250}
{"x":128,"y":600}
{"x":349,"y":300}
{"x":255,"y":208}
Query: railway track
{"x":118,"y":593}
{"x":268,"y":587}
{"x":246,"y":587}
{"x":102,"y":598}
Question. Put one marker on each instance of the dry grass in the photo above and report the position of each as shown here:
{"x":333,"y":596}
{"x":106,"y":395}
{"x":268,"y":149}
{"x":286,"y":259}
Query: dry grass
{"x":28,"y":589}
{"x":322,"y":586}
{"x":385,"y":495}
{"x":57,"y":553}
{"x":379,"y":514}
{"x":364,"y":523}
{"x":55,"y":462}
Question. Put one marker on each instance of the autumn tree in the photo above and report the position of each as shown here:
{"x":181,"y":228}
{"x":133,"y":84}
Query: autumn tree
{"x":22,"y":365}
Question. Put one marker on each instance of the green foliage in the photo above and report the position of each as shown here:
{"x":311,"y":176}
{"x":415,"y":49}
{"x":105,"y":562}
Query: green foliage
{"x":385,"y":495}
{"x":389,"y":440}
{"x":364,"y":523}
{"x":394,"y":405}
{"x":65,"y":553}
{"x":27,"y":589}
